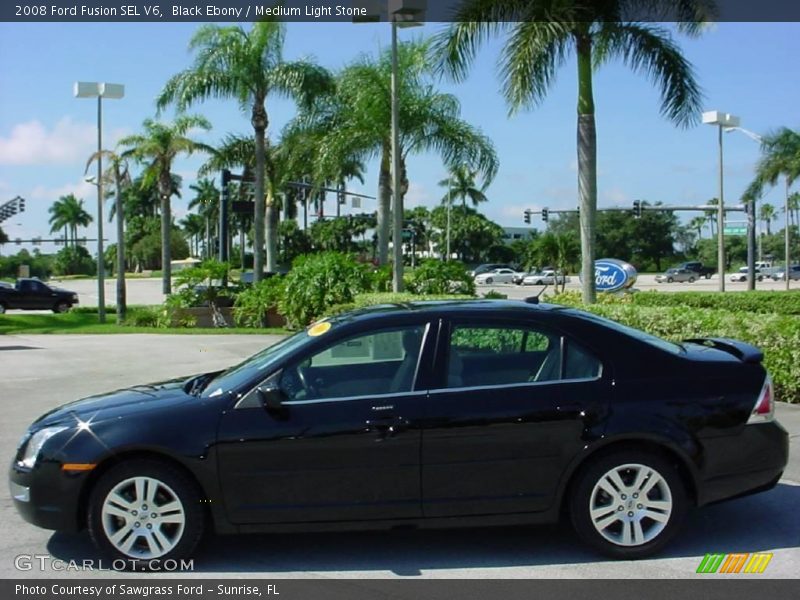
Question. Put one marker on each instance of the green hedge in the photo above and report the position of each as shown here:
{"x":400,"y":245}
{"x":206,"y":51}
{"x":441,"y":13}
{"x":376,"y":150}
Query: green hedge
{"x":778,"y":302}
{"x":778,"y":335}
{"x":365,"y":300}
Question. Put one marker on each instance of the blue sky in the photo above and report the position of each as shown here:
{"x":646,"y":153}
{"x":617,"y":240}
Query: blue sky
{"x":748,"y":69}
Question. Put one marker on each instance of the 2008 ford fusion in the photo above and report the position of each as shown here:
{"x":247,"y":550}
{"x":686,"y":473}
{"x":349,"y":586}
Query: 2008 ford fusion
{"x":426,"y":414}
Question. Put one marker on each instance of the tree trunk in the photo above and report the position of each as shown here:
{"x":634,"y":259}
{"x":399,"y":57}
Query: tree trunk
{"x":259,"y":121}
{"x":384,"y":206}
{"x":120,"y":216}
{"x":165,"y":190}
{"x":272,"y":216}
{"x":587,"y":167}
{"x":242,"y":253}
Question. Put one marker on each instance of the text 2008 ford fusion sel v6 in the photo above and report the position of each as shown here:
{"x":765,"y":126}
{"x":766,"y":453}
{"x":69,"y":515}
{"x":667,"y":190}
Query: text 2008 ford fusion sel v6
{"x":428,"y":414}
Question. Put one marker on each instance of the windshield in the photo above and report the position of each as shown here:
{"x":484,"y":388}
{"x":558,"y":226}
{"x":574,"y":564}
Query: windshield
{"x":635,"y":333}
{"x":250,"y":368}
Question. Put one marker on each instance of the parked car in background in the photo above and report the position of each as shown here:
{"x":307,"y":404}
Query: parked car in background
{"x":794,"y":273}
{"x":677,"y":275}
{"x":741,"y":275}
{"x":424,"y":414}
{"x":32,"y":294}
{"x":546,"y":277}
{"x":504,"y":275}
{"x":485,"y":268}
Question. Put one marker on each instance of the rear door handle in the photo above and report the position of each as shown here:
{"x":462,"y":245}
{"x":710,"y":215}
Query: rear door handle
{"x":386,"y":427}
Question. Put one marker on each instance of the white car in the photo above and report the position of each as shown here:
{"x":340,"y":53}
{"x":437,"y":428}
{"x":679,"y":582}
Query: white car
{"x":741,"y":275}
{"x":496,"y":276}
{"x":548,"y":277}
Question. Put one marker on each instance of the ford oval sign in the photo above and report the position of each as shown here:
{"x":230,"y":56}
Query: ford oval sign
{"x":612,"y":275}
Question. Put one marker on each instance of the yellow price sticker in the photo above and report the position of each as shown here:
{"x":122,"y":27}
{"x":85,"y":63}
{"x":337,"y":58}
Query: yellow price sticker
{"x":319,"y":329}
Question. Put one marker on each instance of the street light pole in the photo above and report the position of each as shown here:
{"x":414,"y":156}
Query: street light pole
{"x":786,"y":250}
{"x":449,"y":209}
{"x":721,"y":120}
{"x":83,"y":89}
{"x":397,"y":207}
{"x":721,"y":220}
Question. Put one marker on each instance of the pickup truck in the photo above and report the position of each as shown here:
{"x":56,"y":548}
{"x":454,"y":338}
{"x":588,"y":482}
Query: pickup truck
{"x":698,"y":268}
{"x":32,"y":294}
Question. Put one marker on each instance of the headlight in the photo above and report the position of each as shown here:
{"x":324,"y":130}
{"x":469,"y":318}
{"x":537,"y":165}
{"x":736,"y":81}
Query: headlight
{"x":35,"y":443}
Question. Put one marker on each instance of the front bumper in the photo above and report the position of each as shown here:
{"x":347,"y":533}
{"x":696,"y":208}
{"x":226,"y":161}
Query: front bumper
{"x":748,"y":463}
{"x":48,"y":497}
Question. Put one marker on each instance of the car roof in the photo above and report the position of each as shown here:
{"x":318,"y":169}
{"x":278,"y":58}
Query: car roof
{"x":447,"y":308}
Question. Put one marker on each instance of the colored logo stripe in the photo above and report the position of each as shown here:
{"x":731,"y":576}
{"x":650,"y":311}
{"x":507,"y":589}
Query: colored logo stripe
{"x":736,"y":562}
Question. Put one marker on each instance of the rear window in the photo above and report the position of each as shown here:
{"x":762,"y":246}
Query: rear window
{"x":647,"y":338}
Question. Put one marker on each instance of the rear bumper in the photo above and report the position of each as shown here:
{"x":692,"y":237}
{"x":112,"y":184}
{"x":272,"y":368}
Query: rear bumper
{"x":748,"y":463}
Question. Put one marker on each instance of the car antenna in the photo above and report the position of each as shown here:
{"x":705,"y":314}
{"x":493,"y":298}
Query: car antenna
{"x":535,"y":299}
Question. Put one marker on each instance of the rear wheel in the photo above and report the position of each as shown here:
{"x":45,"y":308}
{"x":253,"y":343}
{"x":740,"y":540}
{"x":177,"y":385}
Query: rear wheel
{"x":489,"y":280}
{"x":691,"y":279}
{"x":145,"y":510}
{"x":628,"y":504}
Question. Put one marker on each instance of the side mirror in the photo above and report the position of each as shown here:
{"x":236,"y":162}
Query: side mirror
{"x":271,"y":397}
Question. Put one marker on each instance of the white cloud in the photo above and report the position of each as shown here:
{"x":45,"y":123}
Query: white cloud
{"x":615,"y":195}
{"x":82,"y":190}
{"x":68,"y":142}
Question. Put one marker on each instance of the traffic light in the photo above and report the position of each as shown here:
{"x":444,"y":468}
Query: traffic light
{"x":545,"y":214}
{"x":341,"y":197}
{"x":637,"y":209}
{"x":527,"y":216}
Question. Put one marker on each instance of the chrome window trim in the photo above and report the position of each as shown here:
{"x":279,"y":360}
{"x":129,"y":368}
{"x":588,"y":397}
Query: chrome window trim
{"x":355,"y":398}
{"x":516,"y":385}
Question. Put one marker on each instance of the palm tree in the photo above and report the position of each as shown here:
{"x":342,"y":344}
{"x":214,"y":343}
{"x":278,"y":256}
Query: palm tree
{"x":461,"y":184}
{"x":697,"y":224}
{"x":158,"y":147}
{"x":767,"y":214}
{"x":3,"y":237}
{"x":711,"y":216}
{"x":780,"y":157}
{"x":793,"y":206}
{"x":357,"y":122}
{"x":194,"y":226}
{"x":117,"y":174}
{"x":247,"y":65}
{"x":206,"y":201}
{"x":542,"y":33}
{"x":67,"y":213}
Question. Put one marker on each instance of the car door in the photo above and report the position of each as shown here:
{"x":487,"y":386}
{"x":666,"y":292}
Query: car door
{"x":506,"y":418}
{"x":345,"y":445}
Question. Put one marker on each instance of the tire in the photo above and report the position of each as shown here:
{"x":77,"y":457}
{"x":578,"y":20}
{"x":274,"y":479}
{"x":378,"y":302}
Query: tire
{"x":2,"y":308}
{"x":117,"y":494}
{"x":708,"y":275}
{"x":691,"y":279}
{"x":670,"y":280}
{"x":62,"y":307}
{"x":617,"y":537}
{"x":489,"y":280}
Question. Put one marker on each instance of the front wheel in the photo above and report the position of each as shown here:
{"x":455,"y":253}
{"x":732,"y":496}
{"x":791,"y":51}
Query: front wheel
{"x":628,"y":504}
{"x":2,"y":308}
{"x":62,"y":307}
{"x":489,"y":280}
{"x":145,"y":510}
{"x":691,"y":279}
{"x":670,"y":280}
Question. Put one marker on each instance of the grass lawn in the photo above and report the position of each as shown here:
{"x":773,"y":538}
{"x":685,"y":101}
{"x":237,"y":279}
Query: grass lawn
{"x":76,"y":322}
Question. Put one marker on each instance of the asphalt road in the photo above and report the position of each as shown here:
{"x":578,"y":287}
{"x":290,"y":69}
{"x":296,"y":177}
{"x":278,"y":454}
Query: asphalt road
{"x":148,"y":291}
{"x":40,"y":372}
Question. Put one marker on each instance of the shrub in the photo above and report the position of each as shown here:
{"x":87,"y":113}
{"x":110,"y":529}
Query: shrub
{"x":440,"y":277}
{"x":317,"y":282}
{"x":366,"y":300}
{"x":73,"y":260}
{"x":253,"y":304}
{"x":143,"y":316}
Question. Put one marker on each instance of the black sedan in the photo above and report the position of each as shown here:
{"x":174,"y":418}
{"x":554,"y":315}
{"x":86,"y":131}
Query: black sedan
{"x":431,"y":414}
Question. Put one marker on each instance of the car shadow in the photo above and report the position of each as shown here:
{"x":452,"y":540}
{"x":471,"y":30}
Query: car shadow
{"x":756,"y":523}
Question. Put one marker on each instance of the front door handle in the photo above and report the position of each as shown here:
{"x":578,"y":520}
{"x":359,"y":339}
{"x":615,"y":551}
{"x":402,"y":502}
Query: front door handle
{"x":386,"y":427}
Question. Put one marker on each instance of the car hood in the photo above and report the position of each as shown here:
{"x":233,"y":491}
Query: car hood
{"x":119,"y":403}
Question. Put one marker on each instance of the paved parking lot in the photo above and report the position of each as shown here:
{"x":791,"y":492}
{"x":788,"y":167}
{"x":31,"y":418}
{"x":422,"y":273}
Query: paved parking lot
{"x":148,"y":291}
{"x":40,"y":372}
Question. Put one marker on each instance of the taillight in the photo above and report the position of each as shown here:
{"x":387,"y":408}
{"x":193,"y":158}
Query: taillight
{"x":764,"y":409}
